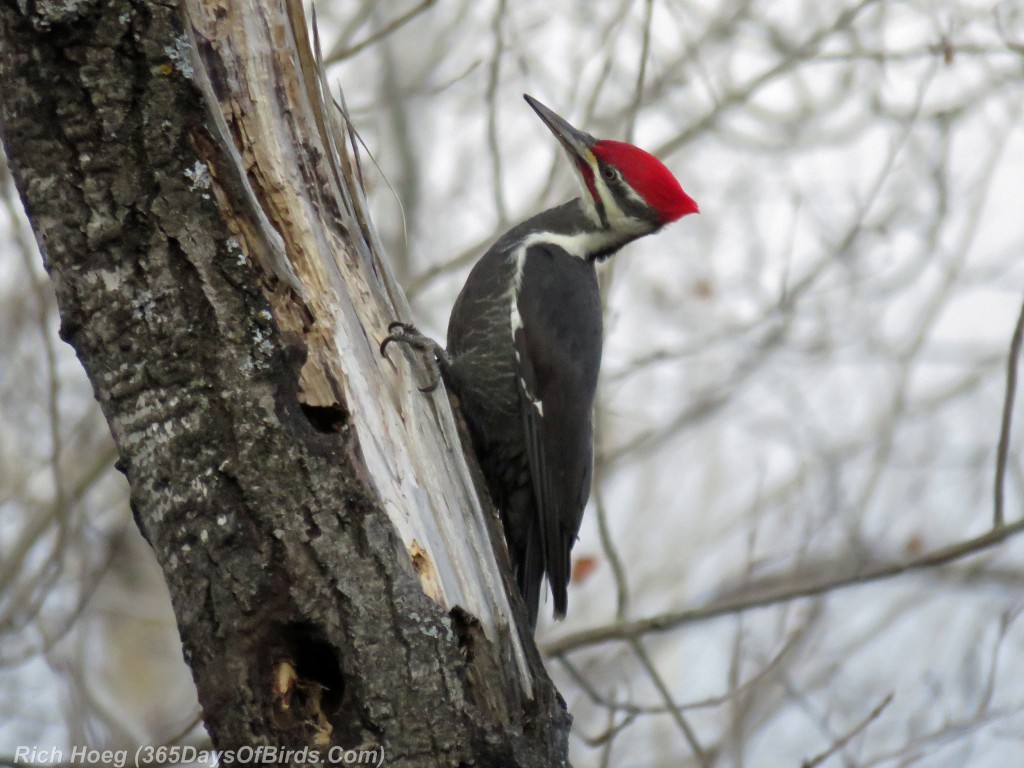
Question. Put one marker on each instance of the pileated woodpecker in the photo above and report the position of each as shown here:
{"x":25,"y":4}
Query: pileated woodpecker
{"x":524,"y":348}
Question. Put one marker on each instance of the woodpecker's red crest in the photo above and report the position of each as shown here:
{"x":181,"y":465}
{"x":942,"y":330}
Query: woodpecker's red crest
{"x":649,"y":177}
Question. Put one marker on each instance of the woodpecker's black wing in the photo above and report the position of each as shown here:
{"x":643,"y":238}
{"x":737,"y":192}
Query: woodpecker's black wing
{"x":558,"y":355}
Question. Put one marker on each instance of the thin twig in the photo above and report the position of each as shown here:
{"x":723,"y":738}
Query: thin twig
{"x":381,"y":33}
{"x":666,"y":695}
{"x":493,"y":142}
{"x":638,"y":89}
{"x":873,"y":715}
{"x":769,"y":669}
{"x":612,"y":553}
{"x":1003,"y":451}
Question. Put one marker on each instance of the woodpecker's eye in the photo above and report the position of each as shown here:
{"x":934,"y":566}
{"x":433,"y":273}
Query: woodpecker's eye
{"x":610,"y":174}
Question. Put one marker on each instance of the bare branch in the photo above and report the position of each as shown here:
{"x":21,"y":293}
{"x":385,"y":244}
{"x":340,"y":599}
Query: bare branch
{"x":346,"y":53}
{"x":1006,"y":426}
{"x":842,"y":742}
{"x":633,"y":629}
{"x":677,"y":715}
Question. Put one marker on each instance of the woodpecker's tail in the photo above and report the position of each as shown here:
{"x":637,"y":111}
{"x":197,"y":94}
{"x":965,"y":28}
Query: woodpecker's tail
{"x":558,"y":577}
{"x":530,"y":574}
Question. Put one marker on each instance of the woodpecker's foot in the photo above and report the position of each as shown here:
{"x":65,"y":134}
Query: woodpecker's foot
{"x":407,"y":333}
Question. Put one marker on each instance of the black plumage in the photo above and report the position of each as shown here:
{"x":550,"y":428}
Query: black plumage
{"x":528,"y":392}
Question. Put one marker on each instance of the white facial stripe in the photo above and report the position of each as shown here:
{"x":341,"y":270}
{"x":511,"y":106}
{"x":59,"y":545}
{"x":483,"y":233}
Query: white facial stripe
{"x":617,"y":218}
{"x":589,"y":208}
{"x":634,"y":195}
{"x":611,"y":208}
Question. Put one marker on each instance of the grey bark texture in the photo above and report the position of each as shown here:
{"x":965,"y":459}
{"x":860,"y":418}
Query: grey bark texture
{"x":310,"y":545}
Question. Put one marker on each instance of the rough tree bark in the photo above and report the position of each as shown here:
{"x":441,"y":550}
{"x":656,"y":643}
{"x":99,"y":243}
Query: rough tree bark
{"x":329,"y":563}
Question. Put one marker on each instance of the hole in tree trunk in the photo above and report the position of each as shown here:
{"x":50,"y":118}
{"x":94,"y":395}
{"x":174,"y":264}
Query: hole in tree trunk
{"x":328,"y":419}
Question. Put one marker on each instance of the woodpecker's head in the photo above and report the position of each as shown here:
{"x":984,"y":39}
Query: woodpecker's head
{"x":625,"y":189}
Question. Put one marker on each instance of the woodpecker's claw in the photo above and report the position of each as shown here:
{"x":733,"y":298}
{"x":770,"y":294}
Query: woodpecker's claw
{"x":396,"y":332}
{"x":407,"y":333}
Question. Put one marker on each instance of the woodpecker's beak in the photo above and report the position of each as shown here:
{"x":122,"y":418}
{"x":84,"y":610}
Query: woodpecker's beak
{"x":576,"y":142}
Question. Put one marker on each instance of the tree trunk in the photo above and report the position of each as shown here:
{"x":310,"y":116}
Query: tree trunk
{"x":329,"y":562}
